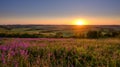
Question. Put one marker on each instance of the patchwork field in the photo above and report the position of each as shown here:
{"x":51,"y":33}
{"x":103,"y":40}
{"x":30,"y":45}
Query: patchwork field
{"x":59,"y":52}
{"x":60,"y":31}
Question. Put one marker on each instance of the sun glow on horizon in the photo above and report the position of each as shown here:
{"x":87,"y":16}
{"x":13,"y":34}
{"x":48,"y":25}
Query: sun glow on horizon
{"x":79,"y":22}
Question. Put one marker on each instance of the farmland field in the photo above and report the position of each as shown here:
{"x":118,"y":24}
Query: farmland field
{"x":59,"y":46}
{"x":60,"y":31}
{"x":59,"y":52}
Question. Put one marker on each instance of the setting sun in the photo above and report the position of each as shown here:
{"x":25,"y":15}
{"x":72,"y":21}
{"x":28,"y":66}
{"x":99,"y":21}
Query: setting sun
{"x":79,"y":22}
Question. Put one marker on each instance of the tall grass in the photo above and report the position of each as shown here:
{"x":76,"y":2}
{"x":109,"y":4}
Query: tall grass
{"x":45,"y":52}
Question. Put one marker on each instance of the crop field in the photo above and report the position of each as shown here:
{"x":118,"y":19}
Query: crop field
{"x":60,"y":31}
{"x":59,"y":52}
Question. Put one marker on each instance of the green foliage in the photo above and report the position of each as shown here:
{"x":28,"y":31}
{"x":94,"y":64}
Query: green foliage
{"x":59,"y":35}
{"x":93,"y":34}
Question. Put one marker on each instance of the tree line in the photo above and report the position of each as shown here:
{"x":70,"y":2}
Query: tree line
{"x":88,"y":34}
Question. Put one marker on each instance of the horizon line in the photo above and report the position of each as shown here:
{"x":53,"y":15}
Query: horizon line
{"x":64,"y":24}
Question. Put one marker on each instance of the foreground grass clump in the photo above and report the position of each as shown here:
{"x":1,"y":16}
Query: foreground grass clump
{"x":60,"y":53}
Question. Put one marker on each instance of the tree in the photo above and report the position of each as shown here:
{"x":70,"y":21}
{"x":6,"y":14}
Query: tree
{"x":59,"y":35}
{"x":93,"y":34}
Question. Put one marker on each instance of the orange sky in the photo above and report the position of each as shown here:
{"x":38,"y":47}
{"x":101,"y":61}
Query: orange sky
{"x":97,"y":12}
{"x":63,"y":20}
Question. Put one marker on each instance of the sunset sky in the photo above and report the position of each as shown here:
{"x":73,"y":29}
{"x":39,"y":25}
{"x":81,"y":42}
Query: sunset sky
{"x":92,"y":12}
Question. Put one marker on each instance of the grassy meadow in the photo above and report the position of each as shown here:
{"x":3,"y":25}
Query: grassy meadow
{"x":59,"y":46}
{"x":60,"y":52}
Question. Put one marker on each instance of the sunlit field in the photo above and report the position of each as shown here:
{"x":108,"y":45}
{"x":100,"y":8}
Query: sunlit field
{"x":59,"y":33}
{"x":59,"y":52}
